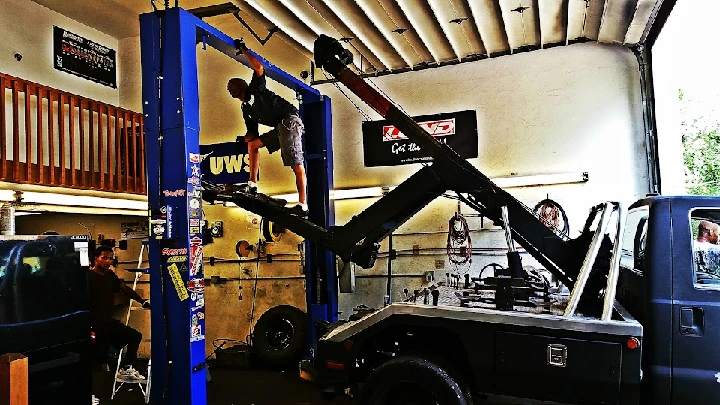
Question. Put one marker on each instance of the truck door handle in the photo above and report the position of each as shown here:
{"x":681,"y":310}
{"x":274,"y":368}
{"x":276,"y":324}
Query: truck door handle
{"x":692,"y":321}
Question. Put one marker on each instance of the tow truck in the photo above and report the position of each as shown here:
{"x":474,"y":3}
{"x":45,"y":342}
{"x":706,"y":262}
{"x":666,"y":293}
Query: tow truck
{"x":635,"y":326}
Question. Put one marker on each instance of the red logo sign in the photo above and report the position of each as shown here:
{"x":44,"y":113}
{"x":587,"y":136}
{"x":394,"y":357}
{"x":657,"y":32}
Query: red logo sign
{"x":435,"y":128}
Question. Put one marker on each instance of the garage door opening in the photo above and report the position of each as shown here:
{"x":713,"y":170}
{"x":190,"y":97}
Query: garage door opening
{"x":687,"y":95}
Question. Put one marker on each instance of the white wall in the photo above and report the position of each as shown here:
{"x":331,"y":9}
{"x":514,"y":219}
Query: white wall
{"x":130,"y":81}
{"x":568,"y":109}
{"x":28,"y":30}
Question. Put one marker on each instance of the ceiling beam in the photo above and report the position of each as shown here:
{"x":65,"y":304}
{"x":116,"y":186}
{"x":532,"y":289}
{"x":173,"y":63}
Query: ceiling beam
{"x":411,"y":33}
{"x":553,"y":22}
{"x":645,"y":12}
{"x":281,"y":17}
{"x":425,"y":24}
{"x":254,"y":17}
{"x":617,"y":16}
{"x":365,"y":29}
{"x":390,"y":30}
{"x":584,"y":18}
{"x":489,"y":21}
{"x":458,"y":25}
{"x":520,"y":17}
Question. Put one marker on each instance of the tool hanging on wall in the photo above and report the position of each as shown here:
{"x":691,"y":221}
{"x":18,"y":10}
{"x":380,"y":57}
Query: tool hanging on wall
{"x":553,"y":216}
{"x":459,"y":245}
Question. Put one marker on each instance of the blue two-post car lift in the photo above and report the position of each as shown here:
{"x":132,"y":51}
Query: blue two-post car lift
{"x":169,"y":41}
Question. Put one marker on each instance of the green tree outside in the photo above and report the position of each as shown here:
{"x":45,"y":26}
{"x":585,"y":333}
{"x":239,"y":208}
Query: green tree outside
{"x":701,"y":151}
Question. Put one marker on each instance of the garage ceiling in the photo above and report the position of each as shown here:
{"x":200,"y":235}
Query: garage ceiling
{"x":399,"y":35}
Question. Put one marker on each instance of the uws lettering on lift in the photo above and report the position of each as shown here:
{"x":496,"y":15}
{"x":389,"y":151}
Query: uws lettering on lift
{"x":230,"y":164}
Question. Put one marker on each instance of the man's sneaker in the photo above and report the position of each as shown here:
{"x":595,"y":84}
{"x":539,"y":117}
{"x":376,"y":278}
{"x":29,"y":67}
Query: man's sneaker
{"x":95,"y":400}
{"x":250,"y":187}
{"x":130,"y":374}
{"x":299,"y":211}
{"x":242,"y":187}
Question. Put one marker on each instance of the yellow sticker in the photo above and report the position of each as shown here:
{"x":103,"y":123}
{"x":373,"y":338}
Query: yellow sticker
{"x":177,"y":280}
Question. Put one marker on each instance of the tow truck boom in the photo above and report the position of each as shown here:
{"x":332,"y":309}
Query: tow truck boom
{"x":358,"y":240}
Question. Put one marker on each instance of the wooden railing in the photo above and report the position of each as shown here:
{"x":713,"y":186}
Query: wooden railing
{"x":54,"y":138}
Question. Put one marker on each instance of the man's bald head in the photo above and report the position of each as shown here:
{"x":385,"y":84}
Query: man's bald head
{"x":236,"y":87}
{"x":708,"y":232}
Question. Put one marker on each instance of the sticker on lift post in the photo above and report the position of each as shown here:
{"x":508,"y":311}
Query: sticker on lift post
{"x":178,"y":282}
{"x":196,"y":333}
{"x":196,"y":256}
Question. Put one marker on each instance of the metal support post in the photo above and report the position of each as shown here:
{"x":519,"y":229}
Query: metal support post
{"x":320,"y":275}
{"x":169,"y":41}
{"x":171,"y":105}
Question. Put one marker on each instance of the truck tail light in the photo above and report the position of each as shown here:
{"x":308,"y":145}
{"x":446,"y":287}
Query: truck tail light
{"x":633,"y":343}
{"x":334,"y":365}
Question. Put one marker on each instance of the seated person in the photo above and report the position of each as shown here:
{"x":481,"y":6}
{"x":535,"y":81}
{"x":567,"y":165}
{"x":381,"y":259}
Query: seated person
{"x":104,"y":283}
{"x":706,"y":248}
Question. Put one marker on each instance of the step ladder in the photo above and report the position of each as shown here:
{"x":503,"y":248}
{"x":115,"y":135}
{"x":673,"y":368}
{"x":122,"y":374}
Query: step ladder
{"x":134,"y":306}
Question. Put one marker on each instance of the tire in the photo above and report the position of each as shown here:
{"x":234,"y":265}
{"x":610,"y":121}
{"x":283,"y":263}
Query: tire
{"x":279,"y":336}
{"x":411,"y":381}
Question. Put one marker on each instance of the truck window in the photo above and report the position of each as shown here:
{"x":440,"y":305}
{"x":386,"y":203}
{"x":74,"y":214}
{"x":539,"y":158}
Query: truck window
{"x":705,"y":229}
{"x":633,"y":252}
{"x":40,"y":279}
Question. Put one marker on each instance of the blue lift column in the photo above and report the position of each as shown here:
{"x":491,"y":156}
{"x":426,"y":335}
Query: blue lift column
{"x":320,"y":276}
{"x":170,"y":98}
{"x":169,"y":40}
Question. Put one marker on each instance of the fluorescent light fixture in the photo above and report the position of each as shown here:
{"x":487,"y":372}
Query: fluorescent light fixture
{"x":541,"y":179}
{"x":23,"y":213}
{"x":32,"y":197}
{"x":343,"y":194}
{"x":503,"y":182}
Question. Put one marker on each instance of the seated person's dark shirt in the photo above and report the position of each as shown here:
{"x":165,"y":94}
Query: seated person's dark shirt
{"x":102,"y":297}
{"x":262,"y":106}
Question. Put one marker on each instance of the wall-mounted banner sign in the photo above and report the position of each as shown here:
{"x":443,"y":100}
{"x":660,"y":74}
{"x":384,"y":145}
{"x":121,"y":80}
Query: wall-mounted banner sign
{"x":82,"y":57}
{"x":385,"y":145}
{"x":225,"y":163}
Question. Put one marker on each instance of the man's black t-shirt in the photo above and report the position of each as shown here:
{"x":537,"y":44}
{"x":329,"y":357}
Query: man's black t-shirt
{"x":102,"y":296}
{"x":262,"y":106}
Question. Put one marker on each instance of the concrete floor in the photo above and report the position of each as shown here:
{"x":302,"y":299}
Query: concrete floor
{"x":253,"y":387}
{"x":232,"y":387}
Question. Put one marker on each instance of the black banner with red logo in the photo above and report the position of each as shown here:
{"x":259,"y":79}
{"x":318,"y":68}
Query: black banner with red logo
{"x":385,"y":145}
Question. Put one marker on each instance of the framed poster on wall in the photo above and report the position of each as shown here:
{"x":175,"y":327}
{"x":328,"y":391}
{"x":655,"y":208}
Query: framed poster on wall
{"x":84,"y":58}
{"x":385,"y":145}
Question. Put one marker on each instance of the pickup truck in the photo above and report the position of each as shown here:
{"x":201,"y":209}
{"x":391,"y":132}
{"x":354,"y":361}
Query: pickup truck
{"x":656,"y":348}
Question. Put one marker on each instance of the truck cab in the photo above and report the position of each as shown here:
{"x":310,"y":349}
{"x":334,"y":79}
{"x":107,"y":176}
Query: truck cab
{"x":670,"y":283}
